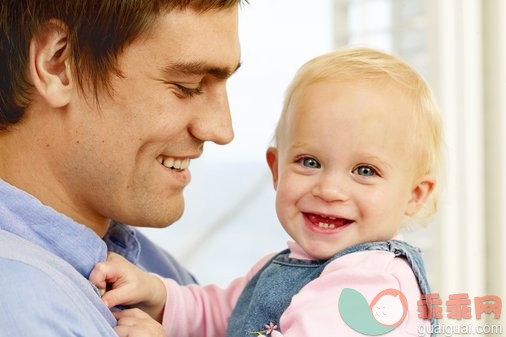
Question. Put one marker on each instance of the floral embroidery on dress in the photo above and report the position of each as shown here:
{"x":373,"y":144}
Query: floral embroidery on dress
{"x":269,"y":328}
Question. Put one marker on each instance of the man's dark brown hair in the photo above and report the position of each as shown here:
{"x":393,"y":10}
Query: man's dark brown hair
{"x":97,"y":31}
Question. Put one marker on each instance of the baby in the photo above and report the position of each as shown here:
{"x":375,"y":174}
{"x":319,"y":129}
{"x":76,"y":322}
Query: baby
{"x":356,"y":158}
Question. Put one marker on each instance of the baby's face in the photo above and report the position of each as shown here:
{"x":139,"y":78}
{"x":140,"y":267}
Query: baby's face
{"x":345,"y":169}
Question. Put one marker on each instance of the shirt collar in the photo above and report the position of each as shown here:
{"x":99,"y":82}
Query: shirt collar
{"x":25,"y":216}
{"x":122,"y":240}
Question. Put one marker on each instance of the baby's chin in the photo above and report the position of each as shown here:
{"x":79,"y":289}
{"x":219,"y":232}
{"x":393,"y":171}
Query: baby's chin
{"x":323,"y":253}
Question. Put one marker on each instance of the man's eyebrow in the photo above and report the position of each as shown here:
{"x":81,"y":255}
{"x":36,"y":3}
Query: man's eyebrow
{"x":200,"y":68}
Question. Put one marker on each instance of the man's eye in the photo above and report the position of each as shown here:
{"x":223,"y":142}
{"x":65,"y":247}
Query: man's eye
{"x":189,"y":92}
{"x":365,"y":170}
{"x":309,"y":162}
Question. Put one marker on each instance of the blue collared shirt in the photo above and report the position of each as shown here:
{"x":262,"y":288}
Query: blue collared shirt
{"x":45,"y":261}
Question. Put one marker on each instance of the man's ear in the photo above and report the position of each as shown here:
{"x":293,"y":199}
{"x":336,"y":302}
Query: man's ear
{"x":420,"y":193}
{"x":49,"y":65}
{"x":272,"y":161}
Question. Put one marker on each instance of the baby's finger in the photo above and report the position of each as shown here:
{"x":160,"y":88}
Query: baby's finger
{"x":104,"y":272}
{"x":118,"y":296}
{"x":123,"y":331}
{"x":98,"y":275}
{"x":134,"y":313}
{"x":139,"y":331}
{"x":136,"y":323}
{"x":128,"y":318}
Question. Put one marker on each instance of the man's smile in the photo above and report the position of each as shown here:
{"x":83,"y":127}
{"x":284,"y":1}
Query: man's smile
{"x":174,"y":163}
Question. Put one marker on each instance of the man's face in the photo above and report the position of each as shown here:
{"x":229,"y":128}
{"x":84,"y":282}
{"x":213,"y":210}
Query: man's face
{"x":129,"y":160}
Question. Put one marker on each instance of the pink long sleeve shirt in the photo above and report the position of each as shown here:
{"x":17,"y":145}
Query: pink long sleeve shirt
{"x":203,"y":311}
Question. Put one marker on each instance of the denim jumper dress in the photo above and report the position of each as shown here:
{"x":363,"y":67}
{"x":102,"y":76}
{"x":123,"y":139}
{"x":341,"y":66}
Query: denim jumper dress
{"x":270,"y":291}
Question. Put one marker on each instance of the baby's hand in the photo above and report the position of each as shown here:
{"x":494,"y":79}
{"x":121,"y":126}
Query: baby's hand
{"x":136,"y":323}
{"x":129,"y":286}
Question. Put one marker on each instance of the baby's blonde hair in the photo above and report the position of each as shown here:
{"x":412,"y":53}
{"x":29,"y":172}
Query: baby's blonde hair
{"x":352,"y":64}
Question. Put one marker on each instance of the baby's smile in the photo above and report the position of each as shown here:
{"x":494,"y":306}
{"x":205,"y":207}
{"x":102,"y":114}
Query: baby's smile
{"x":326,"y":222}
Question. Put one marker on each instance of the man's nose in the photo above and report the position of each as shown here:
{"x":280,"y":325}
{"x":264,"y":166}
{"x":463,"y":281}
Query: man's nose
{"x":213,"y":121}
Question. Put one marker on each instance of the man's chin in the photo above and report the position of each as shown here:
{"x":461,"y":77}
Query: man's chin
{"x":156,"y":221}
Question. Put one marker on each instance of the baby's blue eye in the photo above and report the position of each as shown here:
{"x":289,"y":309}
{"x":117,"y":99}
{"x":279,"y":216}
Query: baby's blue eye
{"x":310,"y":162}
{"x":365,"y":170}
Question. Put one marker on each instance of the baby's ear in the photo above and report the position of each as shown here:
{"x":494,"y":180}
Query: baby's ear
{"x":420,"y":192}
{"x":272,"y":161}
{"x":49,"y":63}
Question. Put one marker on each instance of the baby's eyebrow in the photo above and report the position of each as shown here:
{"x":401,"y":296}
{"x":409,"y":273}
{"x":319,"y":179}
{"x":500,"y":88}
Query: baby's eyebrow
{"x":200,"y":68}
{"x":374,"y":158}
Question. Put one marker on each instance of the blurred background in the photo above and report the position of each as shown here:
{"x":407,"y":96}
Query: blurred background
{"x":460,"y":48}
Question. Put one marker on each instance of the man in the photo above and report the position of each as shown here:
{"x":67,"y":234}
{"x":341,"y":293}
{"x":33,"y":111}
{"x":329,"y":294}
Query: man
{"x":103,"y":104}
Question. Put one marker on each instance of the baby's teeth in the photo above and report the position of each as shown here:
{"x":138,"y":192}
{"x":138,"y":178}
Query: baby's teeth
{"x":326,"y":225}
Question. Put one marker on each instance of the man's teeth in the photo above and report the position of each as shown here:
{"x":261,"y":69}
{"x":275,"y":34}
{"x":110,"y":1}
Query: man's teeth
{"x":326,"y":225}
{"x":172,"y":163}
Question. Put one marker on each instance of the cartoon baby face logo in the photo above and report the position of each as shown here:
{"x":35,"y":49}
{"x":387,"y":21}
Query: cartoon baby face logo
{"x":389,"y":307}
{"x":385,"y":312}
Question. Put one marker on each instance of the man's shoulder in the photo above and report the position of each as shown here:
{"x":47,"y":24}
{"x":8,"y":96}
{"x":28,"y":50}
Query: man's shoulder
{"x":34,"y":303}
{"x":15,"y":248}
{"x":43,"y":295}
{"x":27,"y":265}
{"x":23,"y":281}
